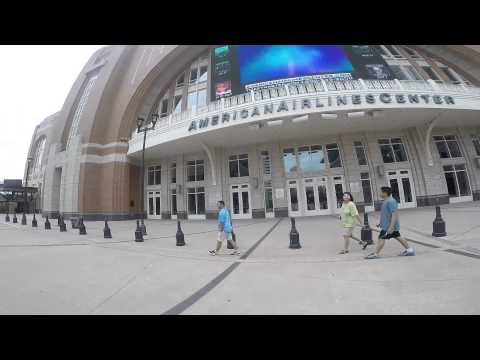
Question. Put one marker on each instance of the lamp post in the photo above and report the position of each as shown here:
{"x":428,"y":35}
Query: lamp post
{"x":24,"y":217}
{"x":143,"y":126}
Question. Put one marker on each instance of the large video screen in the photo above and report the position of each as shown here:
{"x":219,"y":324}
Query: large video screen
{"x":236,"y":66}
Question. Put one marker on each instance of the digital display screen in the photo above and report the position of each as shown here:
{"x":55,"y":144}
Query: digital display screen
{"x":235,"y":66}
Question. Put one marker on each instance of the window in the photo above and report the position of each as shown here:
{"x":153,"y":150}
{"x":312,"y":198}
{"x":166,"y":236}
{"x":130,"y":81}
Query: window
{"x":392,"y":150}
{"x":289,"y":161}
{"x":238,"y":165}
{"x":476,"y":143}
{"x":366,"y":188}
{"x":450,"y":74}
{"x":174,"y":201}
{"x":411,"y":72}
{"x":411,"y":52}
{"x":397,"y":71}
{"x":268,"y":191}
{"x":447,"y":146}
{"x":360,"y":151}
{"x":266,"y":163}
{"x":79,"y":109}
{"x":180,"y":80}
{"x":311,"y":158}
{"x":431,"y":74}
{"x":38,"y":157}
{"x":177,"y":104}
{"x":197,"y":99}
{"x":203,"y":73}
{"x":333,"y":154}
{"x":193,"y":75}
{"x":199,"y":71}
{"x":195,"y":170}
{"x":164,"y":108}
{"x":380,"y":50}
{"x":173,"y":173}
{"x":393,"y":51}
{"x":154,"y":175}
{"x":457,"y":180}
{"x":196,"y":200}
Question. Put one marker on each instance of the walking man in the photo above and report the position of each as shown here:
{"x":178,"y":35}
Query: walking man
{"x":225,"y":230}
{"x":389,"y":225}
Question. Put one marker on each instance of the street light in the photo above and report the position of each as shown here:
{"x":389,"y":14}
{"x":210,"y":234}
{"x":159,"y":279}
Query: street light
{"x":143,"y":126}
{"x":24,"y":217}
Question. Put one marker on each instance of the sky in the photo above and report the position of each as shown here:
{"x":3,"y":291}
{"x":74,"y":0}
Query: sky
{"x":34,"y":83}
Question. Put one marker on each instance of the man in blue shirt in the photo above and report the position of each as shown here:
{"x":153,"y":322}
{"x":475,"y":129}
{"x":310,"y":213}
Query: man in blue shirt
{"x":225,"y":229}
{"x":389,"y":225}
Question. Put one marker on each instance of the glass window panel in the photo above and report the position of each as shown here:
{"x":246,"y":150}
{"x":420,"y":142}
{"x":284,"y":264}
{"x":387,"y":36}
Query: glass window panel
{"x":442,"y":149}
{"x":395,"y":189}
{"x":203,"y":74}
{"x":454,"y":149}
{"x":233,"y":166}
{"x":460,"y":167}
{"x":451,"y":180}
{"x":243,"y":165}
{"x":181,"y":80}
{"x":393,"y":50}
{"x":431,"y":74}
{"x":268,"y":200}
{"x":476,"y":144}
{"x":245,"y":202}
{"x":157,"y":205}
{"x":192,"y":206}
{"x":448,"y":168}
{"x":190,"y":173}
{"x":339,"y":195}
{"x":150,"y":206}
{"x":236,"y":203}
{"x":383,"y":141}
{"x":193,"y":75}
{"x":202,"y":98}
{"x":364,"y":175}
{"x":361,"y":157}
{"x":322,"y":197}
{"x":174,"y":204}
{"x":192,"y":100}
{"x":412,"y":73}
{"x":289,"y":161}
{"x":200,"y":171}
{"x":400,"y":153}
{"x":397,"y":71}
{"x":177,"y":104}
{"x":387,"y":154}
{"x":367,"y":192}
{"x":334,"y":158}
{"x":201,"y":203}
{"x":407,"y":190}
{"x":293,"y":199}
{"x":463,"y":183}
{"x":449,"y":74}
{"x":438,"y":138}
{"x":380,"y":50}
{"x":164,"y":108}
{"x":310,"y":195}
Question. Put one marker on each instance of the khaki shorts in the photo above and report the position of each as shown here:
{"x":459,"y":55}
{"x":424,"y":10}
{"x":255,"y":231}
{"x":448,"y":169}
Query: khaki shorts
{"x":222,"y":236}
{"x":347,"y":231}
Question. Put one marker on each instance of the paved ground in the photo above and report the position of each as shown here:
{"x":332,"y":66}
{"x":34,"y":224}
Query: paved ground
{"x":48,"y":272}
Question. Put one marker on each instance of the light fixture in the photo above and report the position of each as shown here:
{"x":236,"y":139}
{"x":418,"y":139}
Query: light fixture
{"x":300,"y":119}
{"x":275,"y":123}
{"x":329,"y":116}
{"x":356,"y":114}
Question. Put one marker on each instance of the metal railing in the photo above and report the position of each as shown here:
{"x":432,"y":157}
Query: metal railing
{"x":316,"y":86}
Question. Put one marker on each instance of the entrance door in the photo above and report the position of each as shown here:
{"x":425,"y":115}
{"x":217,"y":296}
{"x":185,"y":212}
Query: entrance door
{"x":240,"y":200}
{"x":315,"y":196}
{"x":338,"y":189}
{"x":293,"y":198}
{"x":154,"y":208}
{"x":403,"y":191}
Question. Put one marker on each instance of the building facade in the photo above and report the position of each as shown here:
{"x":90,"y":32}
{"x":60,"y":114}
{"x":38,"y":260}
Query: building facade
{"x":287,"y":147}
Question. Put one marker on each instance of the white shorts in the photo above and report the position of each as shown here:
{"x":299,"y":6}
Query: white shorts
{"x":348,"y":231}
{"x":222,"y":236}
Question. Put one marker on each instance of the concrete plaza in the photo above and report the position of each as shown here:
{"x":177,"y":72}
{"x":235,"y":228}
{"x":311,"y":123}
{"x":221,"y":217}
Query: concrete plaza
{"x":48,"y":272}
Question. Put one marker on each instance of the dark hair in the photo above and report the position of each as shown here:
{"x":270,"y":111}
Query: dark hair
{"x":387,"y":190}
{"x":221,"y":202}
{"x":349,"y":194}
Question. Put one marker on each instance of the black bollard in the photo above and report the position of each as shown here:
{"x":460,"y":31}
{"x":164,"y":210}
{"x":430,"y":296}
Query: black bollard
{"x":180,"y":237}
{"x":144,"y":229}
{"x":138,"y":233}
{"x":34,"y":221}
{"x":15,"y":220}
{"x":366,"y":232}
{"x":107,"y":234}
{"x":439,"y":225}
{"x":24,"y":219}
{"x":48,"y":226}
{"x":63,"y":226}
{"x":294,"y":236}
{"x":7,"y":218}
{"x":59,"y":220}
{"x":81,"y":228}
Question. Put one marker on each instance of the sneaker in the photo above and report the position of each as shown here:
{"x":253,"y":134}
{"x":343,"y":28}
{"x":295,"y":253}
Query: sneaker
{"x":407,"y":253}
{"x":235,"y":252}
{"x":212,"y":252}
{"x":372,"y":256}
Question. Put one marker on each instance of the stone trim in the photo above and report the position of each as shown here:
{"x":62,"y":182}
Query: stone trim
{"x":258,"y":213}
{"x":431,"y":200}
{"x":281,"y":212}
{"x":98,"y":159}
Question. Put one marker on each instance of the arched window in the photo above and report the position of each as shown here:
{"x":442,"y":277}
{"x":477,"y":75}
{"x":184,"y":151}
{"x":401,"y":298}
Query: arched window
{"x":38,"y":157}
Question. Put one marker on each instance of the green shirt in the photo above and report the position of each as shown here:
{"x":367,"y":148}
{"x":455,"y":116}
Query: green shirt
{"x":349,"y":212}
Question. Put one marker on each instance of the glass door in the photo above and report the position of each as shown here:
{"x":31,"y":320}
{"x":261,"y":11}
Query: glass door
{"x":315,"y":196}
{"x":154,"y":205}
{"x":338,"y":189}
{"x":403,"y":191}
{"x":240,"y":200}
{"x":293,"y":198}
